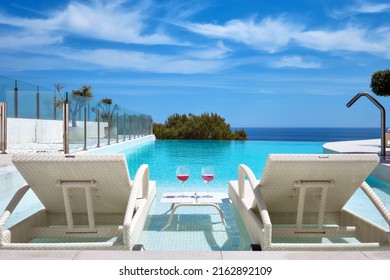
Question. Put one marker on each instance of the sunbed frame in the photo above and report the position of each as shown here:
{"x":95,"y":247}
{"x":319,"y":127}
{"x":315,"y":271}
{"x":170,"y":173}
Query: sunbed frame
{"x":299,"y":201}
{"x":89,"y":203}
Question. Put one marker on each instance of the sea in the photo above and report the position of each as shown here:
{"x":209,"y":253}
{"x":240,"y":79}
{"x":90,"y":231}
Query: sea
{"x":310,"y":134}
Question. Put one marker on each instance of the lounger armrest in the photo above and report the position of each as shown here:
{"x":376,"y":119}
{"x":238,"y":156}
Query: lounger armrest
{"x":9,"y":210}
{"x":141,"y":180}
{"x":245,"y":172}
{"x":139,"y":185}
{"x":12,"y":205}
{"x":376,"y":201}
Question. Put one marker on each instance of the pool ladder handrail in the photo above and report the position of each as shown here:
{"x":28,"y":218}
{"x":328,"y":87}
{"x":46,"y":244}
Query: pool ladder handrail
{"x":383,"y":119}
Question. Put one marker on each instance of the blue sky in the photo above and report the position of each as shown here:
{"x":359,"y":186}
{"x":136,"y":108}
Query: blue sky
{"x":256,"y":63}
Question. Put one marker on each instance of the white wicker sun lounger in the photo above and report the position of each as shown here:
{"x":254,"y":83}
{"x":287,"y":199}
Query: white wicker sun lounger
{"x":89,"y":203}
{"x":298,"y":204}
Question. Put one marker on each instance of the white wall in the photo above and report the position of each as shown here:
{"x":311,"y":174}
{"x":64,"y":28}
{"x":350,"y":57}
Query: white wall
{"x":21,"y":131}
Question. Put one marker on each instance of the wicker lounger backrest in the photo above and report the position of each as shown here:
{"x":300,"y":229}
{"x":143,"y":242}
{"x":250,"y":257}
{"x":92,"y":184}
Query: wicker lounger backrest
{"x":49,"y":175}
{"x":284,"y":176}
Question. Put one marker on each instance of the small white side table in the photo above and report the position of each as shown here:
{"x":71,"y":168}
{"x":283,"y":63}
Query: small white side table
{"x":178,"y":199}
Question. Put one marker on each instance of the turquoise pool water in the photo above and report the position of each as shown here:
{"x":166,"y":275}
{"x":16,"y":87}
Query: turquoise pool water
{"x":164,"y":156}
{"x":200,"y":228}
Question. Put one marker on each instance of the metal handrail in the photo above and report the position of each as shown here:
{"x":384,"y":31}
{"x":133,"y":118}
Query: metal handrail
{"x":383,"y":118}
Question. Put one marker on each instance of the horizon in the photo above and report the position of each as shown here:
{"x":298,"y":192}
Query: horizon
{"x":312,"y":127}
{"x":256,"y":64}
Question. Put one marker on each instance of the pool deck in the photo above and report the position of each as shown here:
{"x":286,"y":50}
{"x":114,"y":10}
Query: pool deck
{"x":371,"y":146}
{"x":361,"y":146}
{"x":193,"y":255}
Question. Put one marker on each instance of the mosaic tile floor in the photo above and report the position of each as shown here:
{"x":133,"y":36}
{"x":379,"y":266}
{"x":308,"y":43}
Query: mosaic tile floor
{"x":193,"y":229}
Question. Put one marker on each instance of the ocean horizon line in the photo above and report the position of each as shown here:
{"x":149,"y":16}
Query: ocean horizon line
{"x":311,"y":134}
{"x":309,"y":127}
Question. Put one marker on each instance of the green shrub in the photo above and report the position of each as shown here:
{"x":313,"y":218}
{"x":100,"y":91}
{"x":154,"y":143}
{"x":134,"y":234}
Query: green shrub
{"x":204,"y":127}
{"x":380,"y":82}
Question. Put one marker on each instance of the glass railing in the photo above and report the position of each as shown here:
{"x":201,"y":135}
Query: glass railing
{"x":35,"y":120}
{"x":29,"y":101}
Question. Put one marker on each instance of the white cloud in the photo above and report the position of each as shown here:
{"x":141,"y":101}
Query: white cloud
{"x":23,"y":62}
{"x":138,"y":61}
{"x":27,"y":41}
{"x":274,"y":35}
{"x":103,"y":21}
{"x":128,"y":23}
{"x":109,"y":22}
{"x":218,"y":52}
{"x":111,"y":59}
{"x":356,"y":7}
{"x":351,"y":39}
{"x":269,"y":34}
{"x":294,"y":62}
{"x":373,"y":8}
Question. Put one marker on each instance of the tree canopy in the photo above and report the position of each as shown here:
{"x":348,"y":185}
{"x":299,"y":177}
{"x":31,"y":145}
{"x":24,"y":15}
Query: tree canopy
{"x":380,"y":82}
{"x":191,"y":127}
{"x":77,"y":100}
{"x":107,"y":109}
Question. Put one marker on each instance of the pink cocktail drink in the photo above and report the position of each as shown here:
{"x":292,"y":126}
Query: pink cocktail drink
{"x":208,"y":177}
{"x":183,"y":177}
{"x":183,"y":174}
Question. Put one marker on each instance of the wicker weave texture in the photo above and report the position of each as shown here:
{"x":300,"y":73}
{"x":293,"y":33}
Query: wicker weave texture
{"x":110,"y":174}
{"x":85,"y":197}
{"x":300,"y":198}
{"x":282,"y":174}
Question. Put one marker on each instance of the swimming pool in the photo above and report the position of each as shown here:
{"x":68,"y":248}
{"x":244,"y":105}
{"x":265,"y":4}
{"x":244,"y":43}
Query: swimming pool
{"x":164,"y":156}
{"x":200,"y":228}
